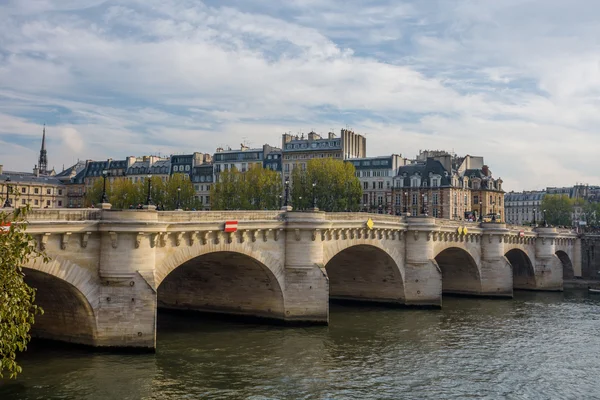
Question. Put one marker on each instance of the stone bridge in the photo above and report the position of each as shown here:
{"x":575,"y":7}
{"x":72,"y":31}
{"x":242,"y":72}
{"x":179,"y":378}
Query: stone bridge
{"x":111,"y":269}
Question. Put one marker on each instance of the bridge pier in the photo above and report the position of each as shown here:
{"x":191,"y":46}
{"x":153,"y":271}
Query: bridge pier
{"x":126,"y":314}
{"x":495,"y":270}
{"x":548,"y":267}
{"x":423,"y":282}
{"x":306,"y":292}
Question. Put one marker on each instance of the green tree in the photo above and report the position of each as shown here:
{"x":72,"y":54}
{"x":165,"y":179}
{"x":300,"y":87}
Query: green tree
{"x":93,"y":195}
{"x":186,"y":192}
{"x":336,"y":186}
{"x":124,"y":193}
{"x":256,"y":189}
{"x":558,"y":209}
{"x":17,"y":308}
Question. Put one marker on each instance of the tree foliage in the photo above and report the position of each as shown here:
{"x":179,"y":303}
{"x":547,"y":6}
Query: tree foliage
{"x":17,"y":308}
{"x":256,"y":189}
{"x":336,"y":186}
{"x":123,"y":193}
{"x":558,"y":209}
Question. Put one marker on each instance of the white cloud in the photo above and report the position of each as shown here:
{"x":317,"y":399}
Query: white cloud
{"x":516,"y":82}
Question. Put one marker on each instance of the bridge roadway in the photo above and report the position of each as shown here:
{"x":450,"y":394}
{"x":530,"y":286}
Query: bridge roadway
{"x":111,"y":269}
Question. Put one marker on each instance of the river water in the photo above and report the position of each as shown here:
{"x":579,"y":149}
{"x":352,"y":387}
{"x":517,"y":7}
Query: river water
{"x":536,"y":346}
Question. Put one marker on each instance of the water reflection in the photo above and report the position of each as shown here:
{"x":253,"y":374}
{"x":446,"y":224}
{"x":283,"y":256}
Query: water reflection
{"x":539,"y":345}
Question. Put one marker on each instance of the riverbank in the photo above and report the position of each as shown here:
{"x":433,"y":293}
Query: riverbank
{"x":580,"y":283}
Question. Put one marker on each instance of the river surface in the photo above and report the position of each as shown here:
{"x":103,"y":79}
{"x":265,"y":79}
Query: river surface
{"x":536,"y":346}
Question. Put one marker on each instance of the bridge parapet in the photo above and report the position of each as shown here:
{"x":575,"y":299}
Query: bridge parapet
{"x":61,"y":214}
{"x":212,"y":216}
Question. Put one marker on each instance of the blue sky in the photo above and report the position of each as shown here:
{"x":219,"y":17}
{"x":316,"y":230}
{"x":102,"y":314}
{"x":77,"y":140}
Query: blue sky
{"x":516,"y":81}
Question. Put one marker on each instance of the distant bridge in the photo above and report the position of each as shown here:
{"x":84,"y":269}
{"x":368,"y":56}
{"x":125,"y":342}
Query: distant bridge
{"x":111,"y":269}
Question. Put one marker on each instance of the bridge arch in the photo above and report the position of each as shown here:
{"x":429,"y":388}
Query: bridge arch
{"x":68,"y":294}
{"x":523,"y":270}
{"x":567,"y":265}
{"x":234,"y":281}
{"x":460,"y":272}
{"x":365,"y":272}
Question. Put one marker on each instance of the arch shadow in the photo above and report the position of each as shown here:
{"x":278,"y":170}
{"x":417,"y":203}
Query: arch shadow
{"x":523,"y":271}
{"x":567,"y":265}
{"x":68,"y":315}
{"x":460,"y":273}
{"x":365,"y":273}
{"x":223,"y":282}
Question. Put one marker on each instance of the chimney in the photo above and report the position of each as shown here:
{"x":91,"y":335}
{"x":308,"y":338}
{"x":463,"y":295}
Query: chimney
{"x":1,"y":169}
{"x":331,"y":135}
{"x":485,"y":170}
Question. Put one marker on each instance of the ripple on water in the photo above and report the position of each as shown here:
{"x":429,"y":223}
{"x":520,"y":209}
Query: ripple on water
{"x":537,"y":346}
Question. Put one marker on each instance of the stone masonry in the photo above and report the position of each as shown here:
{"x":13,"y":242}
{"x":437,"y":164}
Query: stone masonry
{"x":111,"y":269}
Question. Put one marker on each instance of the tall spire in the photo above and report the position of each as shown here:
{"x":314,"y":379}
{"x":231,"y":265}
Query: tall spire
{"x":43,"y":160}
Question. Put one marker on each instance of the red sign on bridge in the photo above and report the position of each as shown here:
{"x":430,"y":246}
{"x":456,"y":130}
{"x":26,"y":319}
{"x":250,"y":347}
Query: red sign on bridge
{"x":231,"y":226}
{"x":5,"y":227}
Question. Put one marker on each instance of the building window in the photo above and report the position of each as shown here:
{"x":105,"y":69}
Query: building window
{"x":60,"y":192}
{"x":22,"y":201}
{"x":47,"y":202}
{"x":435,"y":182}
{"x":36,"y":202}
{"x":475,"y":199}
{"x":435,"y":199}
{"x":380,"y":185}
{"x":365,"y":185}
{"x":435,"y":213}
{"x":379,"y":200}
{"x":36,"y":191}
{"x":374,"y":185}
{"x":23,"y":190}
{"x":60,"y":203}
{"x":48,"y":191}
{"x":414,"y":199}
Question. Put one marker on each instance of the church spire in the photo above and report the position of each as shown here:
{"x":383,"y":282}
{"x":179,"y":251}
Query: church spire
{"x":43,"y":160}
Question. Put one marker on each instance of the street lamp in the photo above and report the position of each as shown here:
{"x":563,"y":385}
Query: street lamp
{"x":534,"y":211}
{"x":422,"y":203}
{"x":314,"y":185}
{"x":178,"y":197}
{"x":7,"y":201}
{"x":149,"y":198}
{"x":104,"y":199}
{"x":545,"y":223}
{"x":280,"y":200}
{"x":287,"y":190}
{"x":405,"y":201}
{"x":493,"y":211}
{"x":299,"y":202}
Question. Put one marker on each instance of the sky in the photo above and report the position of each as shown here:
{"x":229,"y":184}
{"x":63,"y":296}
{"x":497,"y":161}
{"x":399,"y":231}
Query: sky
{"x":514,"y":81}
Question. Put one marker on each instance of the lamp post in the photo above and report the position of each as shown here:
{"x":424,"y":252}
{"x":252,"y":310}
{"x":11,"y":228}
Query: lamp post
{"x":405,"y":201}
{"x":287,"y":190}
{"x":280,"y":200}
{"x":545,"y":223}
{"x":149,"y":198}
{"x":314,"y":202}
{"x":365,"y":207}
{"x":534,"y":222}
{"x":104,"y":199}
{"x":299,"y":202}
{"x":493,"y":211}
{"x":422,"y":203}
{"x":7,"y":201}
{"x":179,"y":197}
